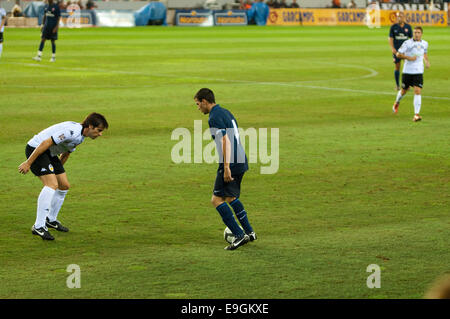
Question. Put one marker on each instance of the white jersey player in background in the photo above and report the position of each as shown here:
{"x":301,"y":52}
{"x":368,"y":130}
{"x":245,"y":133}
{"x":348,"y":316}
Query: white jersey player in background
{"x":414,"y":51}
{"x":46,"y":155}
{"x":2,"y":28}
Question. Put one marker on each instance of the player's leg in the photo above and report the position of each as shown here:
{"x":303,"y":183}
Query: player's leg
{"x":406,"y":82}
{"x":41,"y":48}
{"x":43,"y":169}
{"x":43,"y":206}
{"x":53,"y":59}
{"x":57,"y":202}
{"x":233,"y":193}
{"x":1,"y":43}
{"x":397,"y":74}
{"x":241,"y":215}
{"x":227,"y":215}
{"x":417,"y":103}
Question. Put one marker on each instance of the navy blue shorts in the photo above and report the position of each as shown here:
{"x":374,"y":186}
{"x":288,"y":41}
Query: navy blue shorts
{"x":47,"y":33}
{"x":231,"y":189}
{"x":45,"y":163}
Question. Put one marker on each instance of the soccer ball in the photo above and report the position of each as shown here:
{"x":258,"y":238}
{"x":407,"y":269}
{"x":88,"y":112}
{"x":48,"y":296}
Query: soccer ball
{"x":228,"y":235}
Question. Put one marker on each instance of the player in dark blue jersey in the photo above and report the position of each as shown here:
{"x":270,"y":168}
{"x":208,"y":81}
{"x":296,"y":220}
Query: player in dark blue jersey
{"x":233,"y":164}
{"x":50,"y":27}
{"x":399,"y":33}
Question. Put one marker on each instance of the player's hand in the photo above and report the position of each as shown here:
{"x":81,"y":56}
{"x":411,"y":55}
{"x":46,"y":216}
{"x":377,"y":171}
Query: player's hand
{"x":427,"y":65}
{"x":227,"y":175}
{"x":24,"y":167}
{"x":55,"y":29}
{"x":412,"y":58}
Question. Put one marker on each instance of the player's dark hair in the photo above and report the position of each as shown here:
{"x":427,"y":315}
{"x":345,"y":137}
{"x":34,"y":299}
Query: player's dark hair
{"x":205,"y":94}
{"x":95,"y":119}
{"x":419,"y":28}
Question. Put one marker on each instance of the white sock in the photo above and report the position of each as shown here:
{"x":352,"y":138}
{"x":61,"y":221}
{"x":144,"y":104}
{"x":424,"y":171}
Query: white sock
{"x":399,"y":97}
{"x":53,"y":55}
{"x":39,"y":53}
{"x":417,"y":103}
{"x":1,"y":49}
{"x":43,"y":206}
{"x":57,"y":201}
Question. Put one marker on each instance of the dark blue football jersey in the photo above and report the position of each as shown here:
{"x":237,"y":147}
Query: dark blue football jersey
{"x":400,"y":34}
{"x":221,"y":123}
{"x":52,"y":13}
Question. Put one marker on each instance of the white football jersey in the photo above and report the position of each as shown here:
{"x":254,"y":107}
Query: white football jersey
{"x":2,"y":17}
{"x":414,"y":48}
{"x":66,"y":136}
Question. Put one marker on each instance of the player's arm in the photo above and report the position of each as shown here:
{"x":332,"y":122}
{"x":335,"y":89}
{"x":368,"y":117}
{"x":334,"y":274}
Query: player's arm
{"x":43,"y":21}
{"x":226,"y":150}
{"x":405,"y":57}
{"x":55,"y":29}
{"x":427,"y":62}
{"x":2,"y":21}
{"x":44,"y":146}
{"x":64,"y":157}
{"x":391,"y":43}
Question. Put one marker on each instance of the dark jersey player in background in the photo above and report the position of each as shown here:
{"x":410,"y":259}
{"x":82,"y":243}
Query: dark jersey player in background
{"x":232,"y":166}
{"x":52,"y":15}
{"x":399,"y":33}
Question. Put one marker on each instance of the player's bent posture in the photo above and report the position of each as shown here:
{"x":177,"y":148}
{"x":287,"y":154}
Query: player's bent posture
{"x":414,"y":51}
{"x":46,"y":153}
{"x":2,"y":28}
{"x":52,"y":15}
{"x":232,"y":166}
{"x":398,"y":33}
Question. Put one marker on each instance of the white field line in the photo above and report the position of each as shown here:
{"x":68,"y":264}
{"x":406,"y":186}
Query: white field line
{"x":372,"y":73}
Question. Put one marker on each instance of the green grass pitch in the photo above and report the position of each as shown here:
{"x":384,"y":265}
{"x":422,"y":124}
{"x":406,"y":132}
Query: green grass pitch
{"x":357,"y":185}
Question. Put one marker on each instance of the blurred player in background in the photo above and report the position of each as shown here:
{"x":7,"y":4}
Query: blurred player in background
{"x":52,"y":15}
{"x":414,"y":51}
{"x":46,"y":153}
{"x":2,"y":27}
{"x":399,"y":33}
{"x":232,"y":166}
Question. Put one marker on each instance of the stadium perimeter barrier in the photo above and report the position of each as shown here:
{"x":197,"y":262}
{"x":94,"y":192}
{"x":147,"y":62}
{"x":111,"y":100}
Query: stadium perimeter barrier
{"x":155,"y":13}
{"x":336,"y":17}
{"x":209,"y":18}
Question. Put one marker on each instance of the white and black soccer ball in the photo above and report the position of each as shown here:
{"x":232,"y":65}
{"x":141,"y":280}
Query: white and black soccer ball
{"x":228,"y":235}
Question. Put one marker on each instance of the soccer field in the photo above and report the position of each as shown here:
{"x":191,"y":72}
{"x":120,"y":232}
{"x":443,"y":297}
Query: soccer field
{"x":356,"y":184}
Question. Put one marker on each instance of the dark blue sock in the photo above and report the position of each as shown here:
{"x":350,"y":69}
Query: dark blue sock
{"x":41,"y":46}
{"x":53,"y":47}
{"x":241,"y":214}
{"x":397,"y":77}
{"x":228,"y":219}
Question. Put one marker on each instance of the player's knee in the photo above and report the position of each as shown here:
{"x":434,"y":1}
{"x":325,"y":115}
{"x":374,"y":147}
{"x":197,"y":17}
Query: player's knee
{"x":230,"y":199}
{"x":64,"y":186}
{"x":52,"y":185}
{"x":216,"y":201}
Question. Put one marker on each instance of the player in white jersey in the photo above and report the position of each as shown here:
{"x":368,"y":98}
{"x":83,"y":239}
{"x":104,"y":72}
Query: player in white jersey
{"x":2,"y":28}
{"x":46,"y":153}
{"x":415,"y":52}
